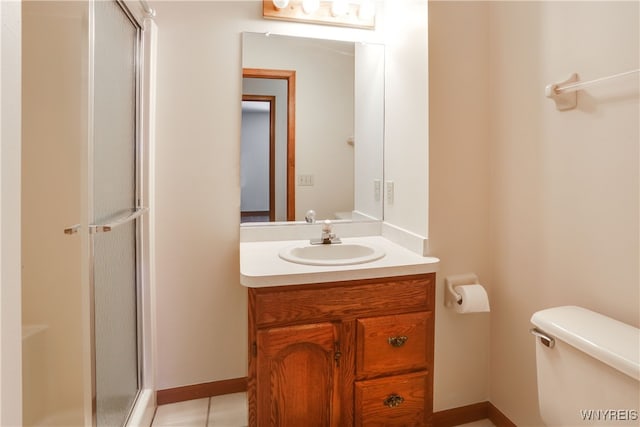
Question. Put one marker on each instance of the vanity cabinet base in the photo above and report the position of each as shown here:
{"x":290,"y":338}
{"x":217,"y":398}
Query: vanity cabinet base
{"x":357,"y":353}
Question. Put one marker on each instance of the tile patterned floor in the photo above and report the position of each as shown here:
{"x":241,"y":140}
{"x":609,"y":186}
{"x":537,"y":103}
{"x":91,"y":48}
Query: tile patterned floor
{"x":221,"y":411}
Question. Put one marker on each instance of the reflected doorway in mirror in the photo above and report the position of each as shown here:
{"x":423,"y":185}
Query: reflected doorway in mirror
{"x":257,"y":167}
{"x":279,"y":85}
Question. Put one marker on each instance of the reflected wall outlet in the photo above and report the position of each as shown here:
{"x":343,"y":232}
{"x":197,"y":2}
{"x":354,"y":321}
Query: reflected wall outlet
{"x":305,"y":180}
{"x":377,"y":189}
{"x":389,"y":190}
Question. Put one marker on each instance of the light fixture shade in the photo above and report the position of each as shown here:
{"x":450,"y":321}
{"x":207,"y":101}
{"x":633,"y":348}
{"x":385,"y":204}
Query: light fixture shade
{"x":344,"y":13}
{"x":367,"y":10}
{"x":339,"y":7}
{"x":280,"y":4}
{"x":310,"y":7}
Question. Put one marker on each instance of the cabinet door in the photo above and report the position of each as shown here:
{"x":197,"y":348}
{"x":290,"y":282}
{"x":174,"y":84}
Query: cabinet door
{"x":297,"y":382}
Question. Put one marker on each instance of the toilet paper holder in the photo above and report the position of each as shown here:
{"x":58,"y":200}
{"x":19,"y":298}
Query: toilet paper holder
{"x":451,"y":297}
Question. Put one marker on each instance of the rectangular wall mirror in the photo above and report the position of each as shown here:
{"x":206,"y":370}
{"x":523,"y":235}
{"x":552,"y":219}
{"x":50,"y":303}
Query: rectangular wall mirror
{"x":312,"y":129}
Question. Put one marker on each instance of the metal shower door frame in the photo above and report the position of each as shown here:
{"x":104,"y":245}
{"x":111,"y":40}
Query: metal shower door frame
{"x":90,"y":230}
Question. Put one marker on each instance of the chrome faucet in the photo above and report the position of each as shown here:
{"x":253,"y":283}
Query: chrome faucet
{"x":310,"y":216}
{"x":327,"y":237}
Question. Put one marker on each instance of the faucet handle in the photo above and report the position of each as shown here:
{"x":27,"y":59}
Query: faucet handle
{"x":327,"y":237}
{"x":310,"y":216}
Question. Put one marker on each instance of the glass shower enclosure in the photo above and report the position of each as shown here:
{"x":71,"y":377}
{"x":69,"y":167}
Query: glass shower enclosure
{"x":116,"y":207}
{"x":83,"y":171}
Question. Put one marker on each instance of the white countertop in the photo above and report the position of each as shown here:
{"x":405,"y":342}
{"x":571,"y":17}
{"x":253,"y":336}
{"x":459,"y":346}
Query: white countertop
{"x":261,"y":266}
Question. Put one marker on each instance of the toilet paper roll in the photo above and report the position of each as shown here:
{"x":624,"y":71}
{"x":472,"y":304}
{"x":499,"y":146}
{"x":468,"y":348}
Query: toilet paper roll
{"x":474,"y":299}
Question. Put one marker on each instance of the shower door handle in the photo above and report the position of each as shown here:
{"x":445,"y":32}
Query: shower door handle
{"x":104,"y":228}
{"x":72,"y":230}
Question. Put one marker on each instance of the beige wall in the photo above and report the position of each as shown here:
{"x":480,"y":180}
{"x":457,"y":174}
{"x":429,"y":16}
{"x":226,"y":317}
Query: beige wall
{"x":554,"y":194}
{"x":564,"y":185}
{"x":406,"y":133}
{"x":543,"y":205}
{"x":202,"y":327}
{"x":459,"y":192}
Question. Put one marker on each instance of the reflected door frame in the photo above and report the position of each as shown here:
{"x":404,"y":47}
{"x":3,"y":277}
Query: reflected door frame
{"x":272,"y":147}
{"x":290,"y":77}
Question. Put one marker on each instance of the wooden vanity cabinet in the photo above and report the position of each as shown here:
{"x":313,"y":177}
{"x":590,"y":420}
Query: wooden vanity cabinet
{"x":340,"y":354}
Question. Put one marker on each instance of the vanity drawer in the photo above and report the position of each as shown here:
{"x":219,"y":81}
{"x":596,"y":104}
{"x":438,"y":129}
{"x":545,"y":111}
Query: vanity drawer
{"x":340,"y":300}
{"x":392,"y":401}
{"x":387,"y":344}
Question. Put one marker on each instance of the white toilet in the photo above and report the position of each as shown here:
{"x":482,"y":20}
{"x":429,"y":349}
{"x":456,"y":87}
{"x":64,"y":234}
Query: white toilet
{"x":588,"y":368}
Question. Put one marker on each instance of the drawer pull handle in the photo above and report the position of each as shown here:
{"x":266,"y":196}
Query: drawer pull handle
{"x":398,"y":341}
{"x":393,"y":400}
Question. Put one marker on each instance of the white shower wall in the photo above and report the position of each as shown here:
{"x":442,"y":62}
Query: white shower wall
{"x":10,"y":119}
{"x":54,"y":39}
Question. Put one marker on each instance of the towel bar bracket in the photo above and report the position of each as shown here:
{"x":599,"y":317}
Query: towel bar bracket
{"x":564,"y":100}
{"x":565,"y":93}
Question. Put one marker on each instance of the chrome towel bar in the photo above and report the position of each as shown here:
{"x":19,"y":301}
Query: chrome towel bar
{"x":104,"y":228}
{"x":572,"y":87}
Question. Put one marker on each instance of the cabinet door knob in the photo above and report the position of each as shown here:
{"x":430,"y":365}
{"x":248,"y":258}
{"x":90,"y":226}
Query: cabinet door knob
{"x":393,"y":400}
{"x":398,"y":341}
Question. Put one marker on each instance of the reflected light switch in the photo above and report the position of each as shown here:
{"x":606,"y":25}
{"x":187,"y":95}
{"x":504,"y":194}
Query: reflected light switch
{"x":305,"y":180}
{"x":377,"y":189}
{"x":389,"y":190}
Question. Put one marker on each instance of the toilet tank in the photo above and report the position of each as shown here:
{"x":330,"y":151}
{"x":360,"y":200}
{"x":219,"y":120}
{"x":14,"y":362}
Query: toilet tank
{"x":589,"y":372}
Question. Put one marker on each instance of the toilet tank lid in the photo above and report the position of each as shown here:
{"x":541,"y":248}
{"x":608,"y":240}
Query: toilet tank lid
{"x":608,"y":340}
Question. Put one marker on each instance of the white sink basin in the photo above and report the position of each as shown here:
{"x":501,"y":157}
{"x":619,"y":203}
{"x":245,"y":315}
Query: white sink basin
{"x":333,"y":254}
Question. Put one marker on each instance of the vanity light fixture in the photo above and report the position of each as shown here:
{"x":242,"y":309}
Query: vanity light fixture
{"x":309,"y":7}
{"x":339,"y":7}
{"x":367,"y":10}
{"x":280,"y":4}
{"x":346,"y":13}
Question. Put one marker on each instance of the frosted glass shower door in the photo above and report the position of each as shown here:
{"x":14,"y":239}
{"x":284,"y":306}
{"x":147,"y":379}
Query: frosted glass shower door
{"x":115,"y":230}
